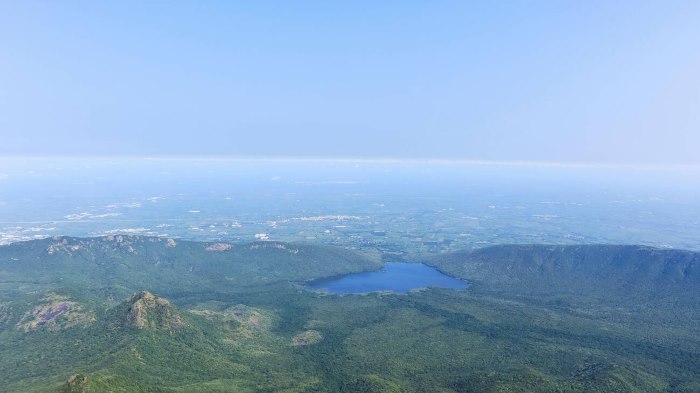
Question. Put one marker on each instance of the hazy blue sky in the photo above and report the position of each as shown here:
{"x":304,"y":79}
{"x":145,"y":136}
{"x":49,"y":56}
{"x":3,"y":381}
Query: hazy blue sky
{"x":494,"y":80}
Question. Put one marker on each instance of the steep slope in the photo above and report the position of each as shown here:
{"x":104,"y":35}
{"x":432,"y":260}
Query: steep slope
{"x":147,"y":311}
{"x":602,"y":270}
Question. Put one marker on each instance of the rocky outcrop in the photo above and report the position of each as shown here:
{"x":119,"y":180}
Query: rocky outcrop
{"x":55,"y":312}
{"x":147,"y":311}
{"x":219,"y":247}
{"x":308,"y":337}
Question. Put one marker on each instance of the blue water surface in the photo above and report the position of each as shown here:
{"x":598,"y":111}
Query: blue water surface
{"x":395,"y":277}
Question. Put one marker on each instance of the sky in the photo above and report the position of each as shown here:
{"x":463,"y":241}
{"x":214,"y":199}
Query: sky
{"x":546,"y":81}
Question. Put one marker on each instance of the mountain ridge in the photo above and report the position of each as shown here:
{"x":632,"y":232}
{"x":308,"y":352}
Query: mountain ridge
{"x":595,"y":268}
{"x":117,"y":266}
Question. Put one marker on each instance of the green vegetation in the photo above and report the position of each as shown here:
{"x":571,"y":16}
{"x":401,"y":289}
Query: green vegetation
{"x":234,"y":319}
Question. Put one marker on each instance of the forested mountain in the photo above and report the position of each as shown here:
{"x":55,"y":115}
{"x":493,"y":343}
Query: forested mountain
{"x":140,"y":314}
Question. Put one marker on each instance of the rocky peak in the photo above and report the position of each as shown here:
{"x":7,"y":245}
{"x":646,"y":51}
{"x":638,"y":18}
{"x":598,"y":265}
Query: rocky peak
{"x":148,"y":311}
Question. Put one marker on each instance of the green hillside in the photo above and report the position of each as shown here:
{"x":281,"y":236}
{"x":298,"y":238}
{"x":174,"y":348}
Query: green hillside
{"x":579,"y":269}
{"x":137,"y":314}
{"x":117,"y":266}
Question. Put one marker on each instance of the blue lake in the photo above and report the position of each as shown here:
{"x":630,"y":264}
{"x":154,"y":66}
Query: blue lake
{"x":395,"y":277}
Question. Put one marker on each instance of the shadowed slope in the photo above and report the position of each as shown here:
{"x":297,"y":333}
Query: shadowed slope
{"x":603,"y":270}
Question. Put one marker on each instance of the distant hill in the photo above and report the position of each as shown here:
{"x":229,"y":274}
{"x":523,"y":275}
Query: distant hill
{"x":116,"y":266}
{"x":603,"y":270}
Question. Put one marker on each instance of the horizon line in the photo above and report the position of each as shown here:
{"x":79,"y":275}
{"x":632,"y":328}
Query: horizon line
{"x":367,"y":160}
